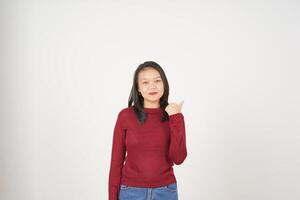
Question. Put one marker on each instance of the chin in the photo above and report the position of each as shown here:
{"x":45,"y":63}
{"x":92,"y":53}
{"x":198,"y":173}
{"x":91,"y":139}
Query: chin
{"x":153,"y":99}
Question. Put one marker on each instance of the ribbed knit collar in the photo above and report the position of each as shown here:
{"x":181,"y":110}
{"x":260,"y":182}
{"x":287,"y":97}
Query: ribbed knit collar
{"x":153,"y":110}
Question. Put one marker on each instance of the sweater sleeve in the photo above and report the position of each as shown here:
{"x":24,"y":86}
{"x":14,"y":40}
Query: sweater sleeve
{"x":177,"y":149}
{"x":117,"y":158}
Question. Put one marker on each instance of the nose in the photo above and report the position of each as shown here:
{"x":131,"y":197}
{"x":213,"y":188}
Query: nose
{"x":152,"y":85}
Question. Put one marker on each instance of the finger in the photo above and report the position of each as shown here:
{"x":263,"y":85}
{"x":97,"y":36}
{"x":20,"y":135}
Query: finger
{"x":172,"y":104}
{"x":181,"y":103}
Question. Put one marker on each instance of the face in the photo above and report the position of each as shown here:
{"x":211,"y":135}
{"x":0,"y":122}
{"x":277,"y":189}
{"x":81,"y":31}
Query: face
{"x":151,"y":86}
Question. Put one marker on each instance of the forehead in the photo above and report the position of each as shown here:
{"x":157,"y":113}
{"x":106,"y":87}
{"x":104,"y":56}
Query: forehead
{"x":148,"y":74}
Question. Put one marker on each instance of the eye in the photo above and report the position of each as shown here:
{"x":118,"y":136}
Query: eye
{"x":158,"y":80}
{"x":144,"y":83}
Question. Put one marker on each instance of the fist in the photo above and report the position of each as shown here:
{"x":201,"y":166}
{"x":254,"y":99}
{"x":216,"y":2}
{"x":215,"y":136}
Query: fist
{"x":174,"y":108}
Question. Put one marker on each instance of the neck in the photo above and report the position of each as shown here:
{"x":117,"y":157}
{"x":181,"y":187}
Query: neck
{"x":151,"y":105}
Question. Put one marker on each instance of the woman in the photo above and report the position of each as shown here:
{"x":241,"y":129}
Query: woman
{"x":152,"y":133}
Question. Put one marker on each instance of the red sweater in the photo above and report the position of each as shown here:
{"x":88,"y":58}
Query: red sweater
{"x":152,"y":149}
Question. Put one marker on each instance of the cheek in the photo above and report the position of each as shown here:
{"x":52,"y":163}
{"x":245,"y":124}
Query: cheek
{"x":143,"y":89}
{"x":161,"y":87}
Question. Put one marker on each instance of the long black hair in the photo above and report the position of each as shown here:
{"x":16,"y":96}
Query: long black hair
{"x":138,"y":100}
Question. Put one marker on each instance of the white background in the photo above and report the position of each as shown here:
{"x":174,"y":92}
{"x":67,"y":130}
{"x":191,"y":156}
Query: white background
{"x":67,"y":69}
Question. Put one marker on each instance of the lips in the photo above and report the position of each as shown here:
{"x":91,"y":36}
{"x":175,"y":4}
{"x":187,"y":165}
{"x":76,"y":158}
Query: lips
{"x":152,"y":93}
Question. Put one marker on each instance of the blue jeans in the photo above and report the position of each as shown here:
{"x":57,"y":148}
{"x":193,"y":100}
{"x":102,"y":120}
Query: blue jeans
{"x":168,"y":192}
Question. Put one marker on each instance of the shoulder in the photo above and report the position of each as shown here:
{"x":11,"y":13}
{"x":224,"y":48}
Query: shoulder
{"x":125,"y":116}
{"x":125,"y":112}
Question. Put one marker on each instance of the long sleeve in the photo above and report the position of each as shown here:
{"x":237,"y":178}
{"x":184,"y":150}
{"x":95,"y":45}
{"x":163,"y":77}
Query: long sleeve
{"x":117,"y":159}
{"x":177,"y":149}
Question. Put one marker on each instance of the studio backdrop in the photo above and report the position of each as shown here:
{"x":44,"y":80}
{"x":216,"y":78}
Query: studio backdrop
{"x":67,"y":68}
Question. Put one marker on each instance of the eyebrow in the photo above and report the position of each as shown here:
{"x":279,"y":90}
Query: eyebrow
{"x":153,"y":78}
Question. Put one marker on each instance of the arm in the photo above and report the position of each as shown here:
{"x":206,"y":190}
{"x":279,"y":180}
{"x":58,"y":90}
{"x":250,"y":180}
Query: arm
{"x":177,"y":150}
{"x":117,"y":158}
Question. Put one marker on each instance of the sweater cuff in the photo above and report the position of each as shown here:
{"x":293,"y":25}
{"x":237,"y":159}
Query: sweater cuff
{"x":113,"y":196}
{"x":176,"y":116}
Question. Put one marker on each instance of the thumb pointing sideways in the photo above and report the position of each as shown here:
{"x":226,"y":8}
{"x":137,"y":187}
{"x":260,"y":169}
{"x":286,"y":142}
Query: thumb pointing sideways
{"x":180,"y":104}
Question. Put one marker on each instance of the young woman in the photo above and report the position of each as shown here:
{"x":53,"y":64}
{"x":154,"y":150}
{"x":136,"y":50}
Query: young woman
{"x":152,"y":133}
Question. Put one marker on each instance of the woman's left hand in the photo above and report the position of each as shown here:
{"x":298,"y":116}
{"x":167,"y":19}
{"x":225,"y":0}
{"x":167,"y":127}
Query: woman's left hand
{"x":174,"y":108}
